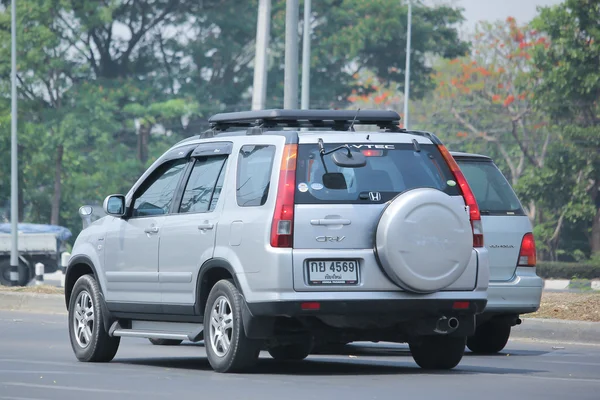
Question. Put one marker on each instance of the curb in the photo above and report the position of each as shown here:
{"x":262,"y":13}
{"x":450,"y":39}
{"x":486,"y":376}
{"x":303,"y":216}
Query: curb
{"x":566,"y":284}
{"x":557,"y":330}
{"x":33,"y":302}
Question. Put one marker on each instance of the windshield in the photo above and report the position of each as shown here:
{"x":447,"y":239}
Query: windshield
{"x":491,"y":189}
{"x":391,"y":169}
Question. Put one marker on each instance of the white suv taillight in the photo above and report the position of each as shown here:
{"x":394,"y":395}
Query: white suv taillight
{"x":468,"y":195}
{"x":282,"y":228}
{"x":527,"y":254}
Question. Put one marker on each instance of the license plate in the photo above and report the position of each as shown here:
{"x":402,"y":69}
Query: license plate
{"x":332,"y":272}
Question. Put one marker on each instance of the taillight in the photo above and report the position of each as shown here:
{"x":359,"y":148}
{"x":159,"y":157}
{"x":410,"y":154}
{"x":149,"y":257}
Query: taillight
{"x":283,"y":219}
{"x":468,"y":195}
{"x":527,"y":255}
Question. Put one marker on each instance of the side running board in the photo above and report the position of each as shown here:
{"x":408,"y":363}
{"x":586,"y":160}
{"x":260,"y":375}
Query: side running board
{"x":159,"y":330}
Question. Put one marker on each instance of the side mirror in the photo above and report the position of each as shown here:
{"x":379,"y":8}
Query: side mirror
{"x":85,"y":212}
{"x":349,"y":159}
{"x":114,"y":205}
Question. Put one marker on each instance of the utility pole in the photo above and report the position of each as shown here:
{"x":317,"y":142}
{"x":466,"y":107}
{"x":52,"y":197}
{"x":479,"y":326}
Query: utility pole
{"x":263,"y":27}
{"x":306,"y":56}
{"x":14,"y":193}
{"x":407,"y":69}
{"x":290,"y":89}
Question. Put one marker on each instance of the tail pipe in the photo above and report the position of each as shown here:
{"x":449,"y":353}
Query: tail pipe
{"x":447,"y":325}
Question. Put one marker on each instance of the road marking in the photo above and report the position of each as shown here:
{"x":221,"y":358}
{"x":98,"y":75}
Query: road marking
{"x":76,"y":388}
{"x":19,"y":398}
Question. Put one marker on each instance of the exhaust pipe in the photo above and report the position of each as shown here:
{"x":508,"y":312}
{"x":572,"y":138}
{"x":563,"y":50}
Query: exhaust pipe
{"x":447,"y":325}
{"x":453,"y":323}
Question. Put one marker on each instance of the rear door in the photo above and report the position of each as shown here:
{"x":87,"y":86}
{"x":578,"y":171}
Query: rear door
{"x":188,"y":235}
{"x":334,"y":229}
{"x":504,"y":221}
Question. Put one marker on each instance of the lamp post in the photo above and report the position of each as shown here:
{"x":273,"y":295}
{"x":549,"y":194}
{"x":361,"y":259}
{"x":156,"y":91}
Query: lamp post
{"x":263,"y":27}
{"x":407,"y":68}
{"x":305,"y":95}
{"x":14,"y":199}
{"x":290,"y":89}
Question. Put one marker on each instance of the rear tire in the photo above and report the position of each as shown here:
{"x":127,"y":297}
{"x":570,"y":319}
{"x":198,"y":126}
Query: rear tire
{"x":165,"y":342}
{"x":291,"y":352}
{"x":490,"y":338}
{"x":438,"y":352}
{"x":25,"y":273}
{"x":89,"y":339}
{"x":227,"y":347}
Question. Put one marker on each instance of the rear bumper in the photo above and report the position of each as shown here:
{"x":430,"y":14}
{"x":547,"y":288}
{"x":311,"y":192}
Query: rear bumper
{"x":520,"y":295}
{"x":413,"y":307}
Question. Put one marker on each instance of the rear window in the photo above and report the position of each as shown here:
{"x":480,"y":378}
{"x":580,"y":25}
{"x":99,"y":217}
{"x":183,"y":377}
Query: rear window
{"x":391,"y":169}
{"x":494,"y":194}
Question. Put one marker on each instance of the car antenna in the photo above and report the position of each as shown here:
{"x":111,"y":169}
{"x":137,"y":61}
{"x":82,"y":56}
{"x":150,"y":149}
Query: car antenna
{"x":351,"y":128}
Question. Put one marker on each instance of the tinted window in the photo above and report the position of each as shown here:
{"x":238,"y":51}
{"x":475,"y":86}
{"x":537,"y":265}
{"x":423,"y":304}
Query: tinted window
{"x":158,"y":191}
{"x":254,"y":175}
{"x":200,"y":193}
{"x":388,"y":171}
{"x":491,"y":189}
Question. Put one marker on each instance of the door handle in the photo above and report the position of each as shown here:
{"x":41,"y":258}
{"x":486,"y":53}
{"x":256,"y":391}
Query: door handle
{"x":205,"y":226}
{"x":325,"y":221}
{"x":152,"y":229}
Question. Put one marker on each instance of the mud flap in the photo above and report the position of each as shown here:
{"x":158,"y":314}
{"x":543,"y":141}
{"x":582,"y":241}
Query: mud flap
{"x":256,"y":327}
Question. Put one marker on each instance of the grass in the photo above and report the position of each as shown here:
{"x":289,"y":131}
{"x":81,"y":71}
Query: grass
{"x":41,"y":289}
{"x":569,"y":306}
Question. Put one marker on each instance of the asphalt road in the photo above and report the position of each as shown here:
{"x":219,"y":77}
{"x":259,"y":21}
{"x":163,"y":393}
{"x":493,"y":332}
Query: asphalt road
{"x":36,"y":362}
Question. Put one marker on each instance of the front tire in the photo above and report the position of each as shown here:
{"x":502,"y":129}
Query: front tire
{"x":227,"y":347}
{"x":438,"y":352}
{"x":87,"y":332}
{"x":490,"y":338}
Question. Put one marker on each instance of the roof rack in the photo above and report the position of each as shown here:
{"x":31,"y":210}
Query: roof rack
{"x":335,"y":119}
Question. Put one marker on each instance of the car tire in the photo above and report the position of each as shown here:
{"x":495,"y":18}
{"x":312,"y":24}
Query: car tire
{"x":25,"y":273}
{"x":291,"y":352}
{"x":165,"y":342}
{"x":89,"y":338}
{"x":490,"y":338}
{"x":438,"y":352}
{"x":227,"y":347}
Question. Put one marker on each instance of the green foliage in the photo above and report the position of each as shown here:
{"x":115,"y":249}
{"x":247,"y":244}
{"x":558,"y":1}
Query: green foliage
{"x":569,"y":67}
{"x":564,"y":270}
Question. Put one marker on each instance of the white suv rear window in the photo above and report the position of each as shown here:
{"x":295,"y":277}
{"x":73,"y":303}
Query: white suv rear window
{"x":494,"y":194}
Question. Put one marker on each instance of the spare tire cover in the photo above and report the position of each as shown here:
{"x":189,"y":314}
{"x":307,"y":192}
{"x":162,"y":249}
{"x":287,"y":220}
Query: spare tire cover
{"x":424,"y":240}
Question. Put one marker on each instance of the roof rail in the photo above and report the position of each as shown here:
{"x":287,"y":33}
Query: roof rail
{"x":434,"y":139}
{"x":336,"y":119}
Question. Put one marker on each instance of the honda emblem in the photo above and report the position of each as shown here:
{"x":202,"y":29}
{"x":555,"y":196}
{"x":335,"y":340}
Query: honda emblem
{"x":374,"y":196}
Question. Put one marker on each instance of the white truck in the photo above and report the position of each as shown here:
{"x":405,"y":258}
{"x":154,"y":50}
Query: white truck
{"x":37,"y":243}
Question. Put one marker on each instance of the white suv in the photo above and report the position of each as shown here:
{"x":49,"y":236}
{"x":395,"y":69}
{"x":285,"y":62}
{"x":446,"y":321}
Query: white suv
{"x":515,"y":288}
{"x":282,"y":230}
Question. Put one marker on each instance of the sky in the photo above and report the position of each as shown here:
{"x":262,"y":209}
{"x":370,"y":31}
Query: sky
{"x":491,"y":10}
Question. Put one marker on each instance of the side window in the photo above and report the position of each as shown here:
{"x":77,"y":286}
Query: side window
{"x":255,"y":163}
{"x":204,"y":185}
{"x":158,"y":191}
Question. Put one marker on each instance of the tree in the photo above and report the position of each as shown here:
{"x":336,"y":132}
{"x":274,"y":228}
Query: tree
{"x":569,"y":89}
{"x":488,"y":95}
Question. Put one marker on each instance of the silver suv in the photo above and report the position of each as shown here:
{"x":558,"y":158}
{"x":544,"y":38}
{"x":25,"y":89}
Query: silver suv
{"x":515,"y":288}
{"x":286,"y":230}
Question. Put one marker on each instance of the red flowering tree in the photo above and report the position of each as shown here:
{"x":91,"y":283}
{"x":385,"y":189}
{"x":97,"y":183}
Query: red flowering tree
{"x":487,"y":96}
